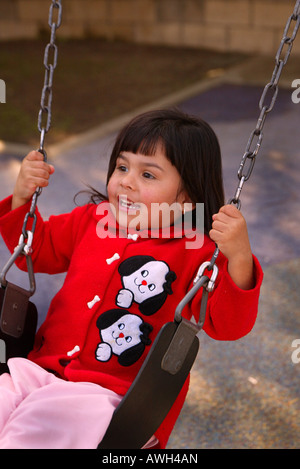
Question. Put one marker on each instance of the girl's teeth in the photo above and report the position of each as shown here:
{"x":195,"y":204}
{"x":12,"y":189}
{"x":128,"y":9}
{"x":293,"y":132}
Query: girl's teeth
{"x":130,"y":205}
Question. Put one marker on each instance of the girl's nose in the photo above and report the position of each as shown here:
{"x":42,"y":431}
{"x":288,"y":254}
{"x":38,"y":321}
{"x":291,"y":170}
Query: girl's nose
{"x":127,"y":181}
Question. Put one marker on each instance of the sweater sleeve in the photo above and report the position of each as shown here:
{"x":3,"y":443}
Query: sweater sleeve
{"x":231,"y":312}
{"x":11,"y":222}
{"x":53,"y":240}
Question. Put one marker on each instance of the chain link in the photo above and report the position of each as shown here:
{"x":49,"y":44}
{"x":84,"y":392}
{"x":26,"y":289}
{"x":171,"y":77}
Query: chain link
{"x":255,"y":140}
{"x":266,"y":103}
{"x":46,"y":101}
{"x":45,"y":112}
{"x":50,"y":49}
{"x":25,"y":241}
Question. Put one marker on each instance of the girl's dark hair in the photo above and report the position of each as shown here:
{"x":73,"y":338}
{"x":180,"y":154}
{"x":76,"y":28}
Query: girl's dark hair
{"x":190,"y":145}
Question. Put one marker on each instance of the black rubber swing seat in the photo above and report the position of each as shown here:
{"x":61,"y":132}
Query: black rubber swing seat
{"x":154,"y":389}
{"x":18,"y":321}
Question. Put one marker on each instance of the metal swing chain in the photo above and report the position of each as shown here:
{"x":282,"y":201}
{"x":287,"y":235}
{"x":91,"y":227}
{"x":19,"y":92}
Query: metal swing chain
{"x":45,"y":112}
{"x":256,"y":136}
{"x":26,"y":238}
{"x":45,"y":109}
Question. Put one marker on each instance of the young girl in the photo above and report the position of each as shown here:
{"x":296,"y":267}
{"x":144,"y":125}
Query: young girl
{"x":124,"y":280}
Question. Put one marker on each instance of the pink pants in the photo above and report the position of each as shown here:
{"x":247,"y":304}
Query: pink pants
{"x":41,"y":411}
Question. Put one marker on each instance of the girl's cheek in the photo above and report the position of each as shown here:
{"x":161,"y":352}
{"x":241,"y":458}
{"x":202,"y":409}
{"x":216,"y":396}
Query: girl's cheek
{"x":110,"y":187}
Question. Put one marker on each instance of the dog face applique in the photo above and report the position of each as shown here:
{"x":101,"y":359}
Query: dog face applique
{"x":146,"y":281}
{"x":123,"y":334}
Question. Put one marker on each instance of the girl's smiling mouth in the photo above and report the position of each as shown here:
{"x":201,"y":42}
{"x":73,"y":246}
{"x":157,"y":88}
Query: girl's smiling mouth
{"x":126,"y":204}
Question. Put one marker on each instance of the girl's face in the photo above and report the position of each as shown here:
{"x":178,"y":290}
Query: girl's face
{"x":138,"y":184}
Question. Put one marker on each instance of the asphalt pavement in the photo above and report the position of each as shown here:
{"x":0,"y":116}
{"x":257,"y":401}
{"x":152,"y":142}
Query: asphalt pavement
{"x":243,"y":394}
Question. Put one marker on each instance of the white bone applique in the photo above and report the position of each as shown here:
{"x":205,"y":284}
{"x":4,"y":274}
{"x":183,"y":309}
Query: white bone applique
{"x":93,"y":301}
{"x":75,"y":349}
{"x":113,"y":258}
{"x":134,"y":236}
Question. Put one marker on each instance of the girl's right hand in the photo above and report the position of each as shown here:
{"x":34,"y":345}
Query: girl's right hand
{"x":34,"y":172}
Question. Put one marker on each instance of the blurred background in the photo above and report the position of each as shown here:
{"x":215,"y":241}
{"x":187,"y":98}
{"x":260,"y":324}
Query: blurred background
{"x":211,"y":58}
{"x":112,"y":49}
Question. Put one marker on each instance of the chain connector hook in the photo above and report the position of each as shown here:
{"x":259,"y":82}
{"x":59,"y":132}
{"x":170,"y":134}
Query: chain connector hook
{"x":211,"y":282}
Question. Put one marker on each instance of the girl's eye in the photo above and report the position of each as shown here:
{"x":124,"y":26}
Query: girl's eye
{"x":148,"y":175}
{"x":121,"y":168}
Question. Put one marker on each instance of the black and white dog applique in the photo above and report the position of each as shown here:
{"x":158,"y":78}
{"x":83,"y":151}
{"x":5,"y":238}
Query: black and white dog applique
{"x":146,"y":281}
{"x":123,"y":334}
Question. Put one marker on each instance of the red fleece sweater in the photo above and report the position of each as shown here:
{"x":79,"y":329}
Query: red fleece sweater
{"x":101,"y":324}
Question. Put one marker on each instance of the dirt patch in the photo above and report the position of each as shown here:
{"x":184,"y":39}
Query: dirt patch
{"x":94,"y":81}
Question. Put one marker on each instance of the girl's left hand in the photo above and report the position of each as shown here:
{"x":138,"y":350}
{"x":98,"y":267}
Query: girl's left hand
{"x":229,"y":232}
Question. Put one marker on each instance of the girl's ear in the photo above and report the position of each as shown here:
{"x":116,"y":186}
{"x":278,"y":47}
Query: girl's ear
{"x":188,"y":207}
{"x":186,"y":203}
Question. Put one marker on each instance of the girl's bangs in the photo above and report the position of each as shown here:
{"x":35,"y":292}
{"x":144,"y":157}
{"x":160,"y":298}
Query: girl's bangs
{"x":141,"y":142}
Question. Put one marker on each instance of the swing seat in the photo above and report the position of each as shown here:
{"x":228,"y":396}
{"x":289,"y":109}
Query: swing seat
{"x":18,"y":322}
{"x":155,"y":388}
{"x":18,"y":315}
{"x":161,"y":377}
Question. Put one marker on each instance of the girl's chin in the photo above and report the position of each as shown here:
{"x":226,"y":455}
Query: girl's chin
{"x":132,"y":222}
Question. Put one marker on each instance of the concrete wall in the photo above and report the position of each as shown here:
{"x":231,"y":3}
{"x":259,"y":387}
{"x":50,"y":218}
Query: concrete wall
{"x":224,"y":25}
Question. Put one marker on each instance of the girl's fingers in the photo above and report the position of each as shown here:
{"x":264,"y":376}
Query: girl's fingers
{"x":34,"y":156}
{"x":219,"y":226}
{"x":34,"y":162}
{"x":39,"y":182}
{"x":230,"y":210}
